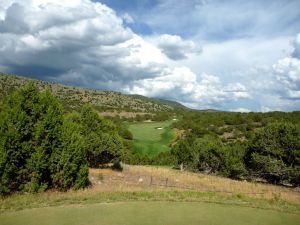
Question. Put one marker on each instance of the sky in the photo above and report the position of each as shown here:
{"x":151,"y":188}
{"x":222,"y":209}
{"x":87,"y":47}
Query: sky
{"x":233,"y":55}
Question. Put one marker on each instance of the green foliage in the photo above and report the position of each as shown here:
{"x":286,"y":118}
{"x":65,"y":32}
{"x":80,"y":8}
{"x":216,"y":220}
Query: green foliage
{"x":32,"y":133}
{"x":161,"y":159}
{"x":231,"y":126}
{"x":41,"y":148}
{"x":69,"y":167}
{"x":182,"y":151}
{"x":117,"y":165}
{"x":274,"y":153}
{"x":101,"y":138}
{"x":233,"y":165}
{"x":124,"y":133}
{"x":210,"y":155}
{"x":253,"y":145}
{"x":161,"y":116}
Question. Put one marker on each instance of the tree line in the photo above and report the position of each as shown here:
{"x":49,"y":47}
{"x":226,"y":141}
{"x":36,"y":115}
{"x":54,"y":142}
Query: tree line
{"x":266,"y":147}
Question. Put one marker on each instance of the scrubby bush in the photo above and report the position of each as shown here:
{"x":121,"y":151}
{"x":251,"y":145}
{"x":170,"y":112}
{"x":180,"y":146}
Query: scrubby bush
{"x":69,"y":166}
{"x":117,"y":165}
{"x":274,"y":153}
{"x":164,"y":159}
{"x":101,"y":139}
{"x":124,"y":133}
{"x":260,"y":145}
{"x":208,"y":154}
{"x":35,"y":142}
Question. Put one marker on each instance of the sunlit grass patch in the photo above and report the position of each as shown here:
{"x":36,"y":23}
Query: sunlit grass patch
{"x":151,"y":138}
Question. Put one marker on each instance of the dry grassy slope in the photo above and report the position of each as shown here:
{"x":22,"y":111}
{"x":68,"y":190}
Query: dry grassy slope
{"x":151,"y":178}
{"x":74,"y":97}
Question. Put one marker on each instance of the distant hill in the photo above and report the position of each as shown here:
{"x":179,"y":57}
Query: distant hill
{"x":172,"y":103}
{"x":74,"y":97}
{"x":210,"y":110}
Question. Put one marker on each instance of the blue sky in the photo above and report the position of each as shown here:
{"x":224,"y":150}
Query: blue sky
{"x":229,"y":55}
{"x":212,"y":20}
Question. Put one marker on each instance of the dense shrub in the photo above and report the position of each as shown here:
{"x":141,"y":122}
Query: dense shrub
{"x":274,"y":153}
{"x":101,"y":138}
{"x":253,"y":145}
{"x":125,"y":133}
{"x":35,"y":144}
{"x":164,"y":159}
{"x":69,"y":167}
{"x":233,"y":165}
{"x":210,"y":155}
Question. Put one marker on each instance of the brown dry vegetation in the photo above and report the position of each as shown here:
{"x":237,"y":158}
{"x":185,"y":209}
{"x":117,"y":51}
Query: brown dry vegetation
{"x":138,"y":178}
{"x":178,"y":134}
{"x":133,"y":184}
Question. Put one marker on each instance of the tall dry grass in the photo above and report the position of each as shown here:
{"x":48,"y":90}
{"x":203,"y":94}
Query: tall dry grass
{"x":184,"y":179}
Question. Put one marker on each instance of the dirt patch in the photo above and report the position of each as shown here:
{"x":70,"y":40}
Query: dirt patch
{"x":228,"y":135}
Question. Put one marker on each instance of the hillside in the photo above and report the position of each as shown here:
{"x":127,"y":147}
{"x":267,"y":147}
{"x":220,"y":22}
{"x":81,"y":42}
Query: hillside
{"x":74,"y":97}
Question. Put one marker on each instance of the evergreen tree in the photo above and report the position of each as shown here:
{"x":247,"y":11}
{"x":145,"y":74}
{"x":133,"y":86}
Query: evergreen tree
{"x":32,"y":134}
{"x":275,"y":153}
{"x":69,"y":166}
{"x":101,"y":138}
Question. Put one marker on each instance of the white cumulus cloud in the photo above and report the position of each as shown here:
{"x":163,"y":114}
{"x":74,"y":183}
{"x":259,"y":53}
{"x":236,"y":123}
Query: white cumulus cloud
{"x":243,"y":110}
{"x":175,"y":48}
{"x":296,"y":44}
{"x":85,"y":43}
{"x":82,"y":38}
{"x":287,"y":72}
{"x":182,"y":85}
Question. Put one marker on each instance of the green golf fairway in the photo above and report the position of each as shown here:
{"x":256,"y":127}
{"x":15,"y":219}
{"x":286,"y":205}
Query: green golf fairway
{"x":143,"y":213}
{"x":151,"y":138}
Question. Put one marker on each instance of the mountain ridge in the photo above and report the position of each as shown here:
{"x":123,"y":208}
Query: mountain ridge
{"x":103,"y":100}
